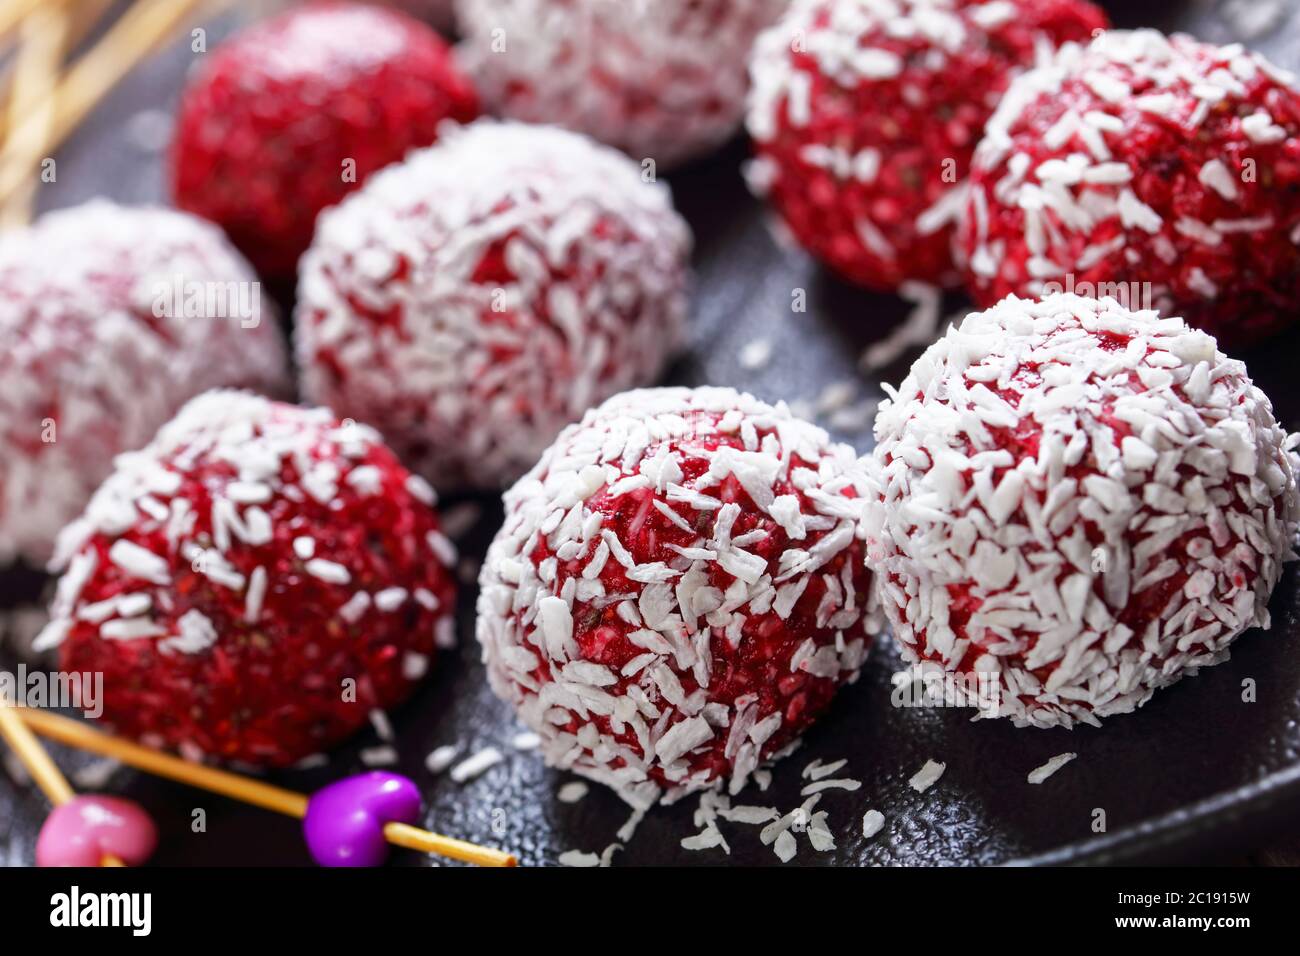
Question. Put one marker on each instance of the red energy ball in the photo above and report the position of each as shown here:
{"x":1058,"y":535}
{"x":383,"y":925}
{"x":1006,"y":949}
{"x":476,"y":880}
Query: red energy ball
{"x":1078,"y":505}
{"x":293,"y":113}
{"x":112,"y":318}
{"x":1157,"y":170}
{"x":678,"y":590}
{"x":485,"y":292}
{"x":253,"y":583}
{"x":662,"y":80}
{"x":864,"y":117}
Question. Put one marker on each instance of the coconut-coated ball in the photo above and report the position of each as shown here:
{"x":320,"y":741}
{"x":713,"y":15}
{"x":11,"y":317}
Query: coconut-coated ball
{"x":864,"y":117}
{"x":678,"y":590}
{"x":662,"y":81}
{"x":479,"y":296}
{"x":294,"y":112}
{"x":1078,"y":505}
{"x":253,"y":583}
{"x":1160,"y":170}
{"x":112,"y":318}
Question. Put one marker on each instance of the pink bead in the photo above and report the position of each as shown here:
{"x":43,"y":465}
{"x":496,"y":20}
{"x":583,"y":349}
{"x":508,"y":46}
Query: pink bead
{"x":84,"y":830}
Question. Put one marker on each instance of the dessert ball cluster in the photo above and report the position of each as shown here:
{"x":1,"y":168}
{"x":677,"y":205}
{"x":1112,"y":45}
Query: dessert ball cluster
{"x":111,"y":319}
{"x":253,"y":583}
{"x":484,"y":293}
{"x":1145,"y":164}
{"x":864,"y":117}
{"x":1081,"y":502}
{"x":293,"y":113}
{"x":678,"y":589}
{"x":663,"y":80}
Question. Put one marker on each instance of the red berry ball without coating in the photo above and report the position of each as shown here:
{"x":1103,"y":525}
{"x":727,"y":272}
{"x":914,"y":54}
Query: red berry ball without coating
{"x":864,"y":117}
{"x":678,"y":590}
{"x":290,"y":115}
{"x":1145,"y":167}
{"x":1078,"y":506}
{"x":253,"y":583}
{"x":109,"y":327}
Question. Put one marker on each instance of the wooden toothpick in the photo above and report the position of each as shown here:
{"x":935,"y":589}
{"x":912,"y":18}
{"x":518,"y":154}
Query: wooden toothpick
{"x":14,"y":12}
{"x":43,"y":37}
{"x":39,"y":764}
{"x":135,"y":34}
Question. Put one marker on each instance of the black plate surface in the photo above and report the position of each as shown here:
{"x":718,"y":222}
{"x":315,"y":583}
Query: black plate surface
{"x":1195,"y":775}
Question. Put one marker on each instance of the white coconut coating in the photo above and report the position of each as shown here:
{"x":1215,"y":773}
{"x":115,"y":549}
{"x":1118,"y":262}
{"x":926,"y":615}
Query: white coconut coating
{"x":1084,"y":502}
{"x":477,"y":297}
{"x":662,"y":80}
{"x":112,"y":318}
{"x":1149,"y":159}
{"x":677,"y":590}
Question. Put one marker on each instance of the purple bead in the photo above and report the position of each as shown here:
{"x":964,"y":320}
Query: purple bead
{"x":344,"y":825}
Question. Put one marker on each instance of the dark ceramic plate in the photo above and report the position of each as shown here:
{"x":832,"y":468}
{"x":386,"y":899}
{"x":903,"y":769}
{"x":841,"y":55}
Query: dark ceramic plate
{"x":1197,"y":774}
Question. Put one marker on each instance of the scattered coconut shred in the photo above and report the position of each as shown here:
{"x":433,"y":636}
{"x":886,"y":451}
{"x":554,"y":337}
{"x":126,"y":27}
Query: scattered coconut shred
{"x":755,"y":355}
{"x":96,"y":774}
{"x":919,"y":329}
{"x":778,"y":829}
{"x":476,"y":765}
{"x":382,"y":725}
{"x":527,"y":740}
{"x":383,"y":755}
{"x":1049,"y":768}
{"x":440,"y":758}
{"x":872,"y":823}
{"x":460,"y":519}
{"x":573,"y":792}
{"x":927,"y":776}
